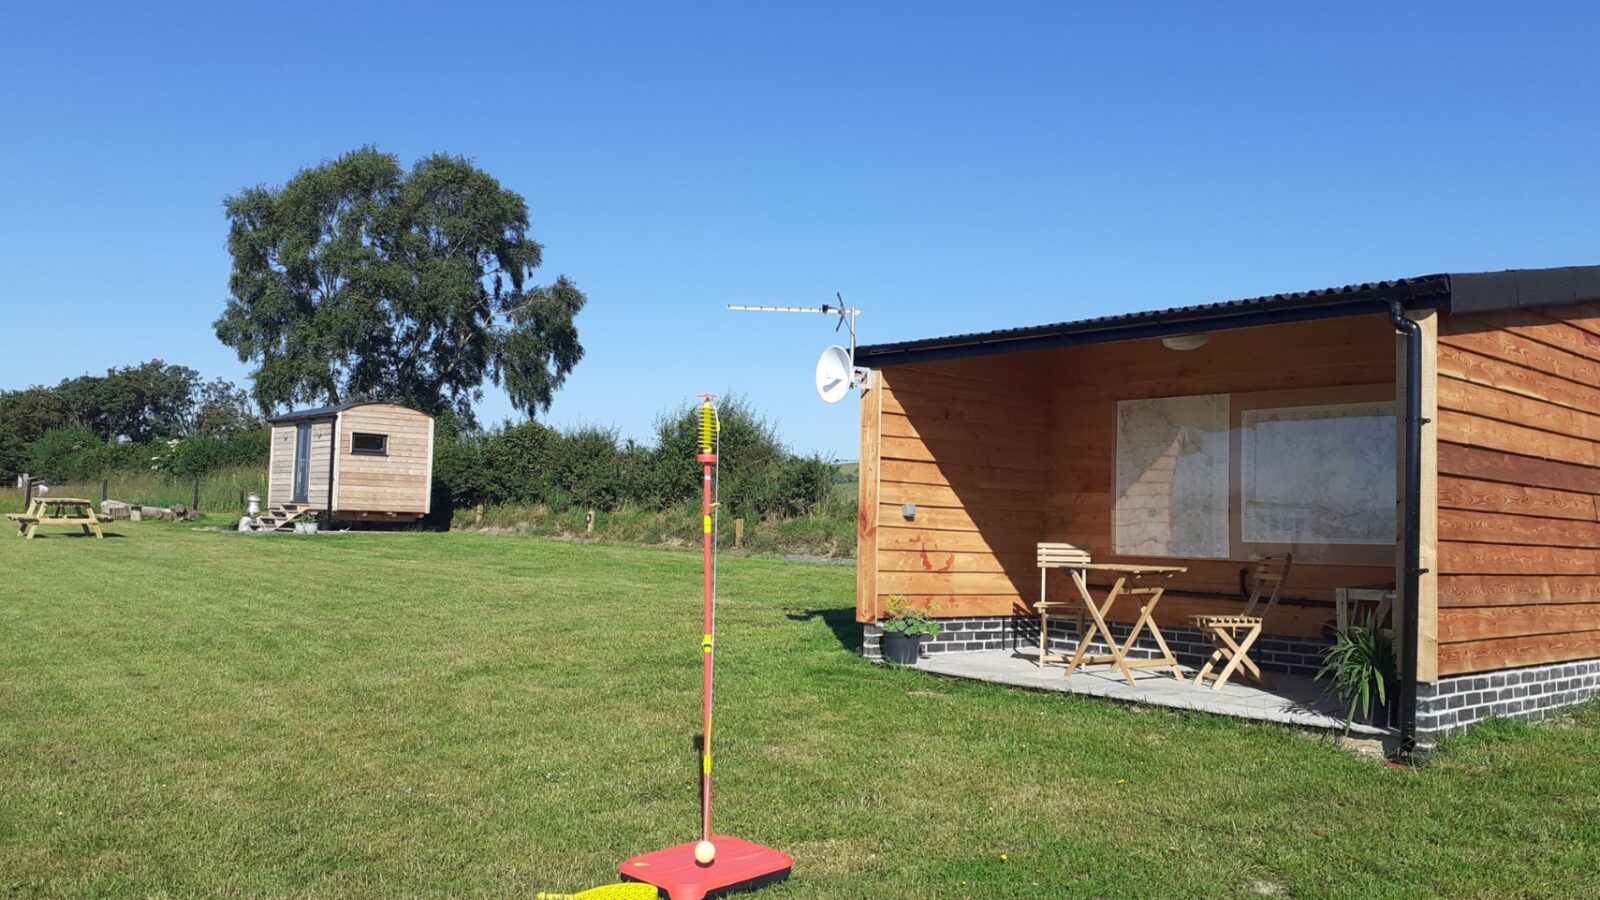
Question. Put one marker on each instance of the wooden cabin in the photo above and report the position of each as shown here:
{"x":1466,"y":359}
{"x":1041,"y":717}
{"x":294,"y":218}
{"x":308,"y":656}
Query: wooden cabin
{"x":352,"y":462}
{"x":1439,"y":436}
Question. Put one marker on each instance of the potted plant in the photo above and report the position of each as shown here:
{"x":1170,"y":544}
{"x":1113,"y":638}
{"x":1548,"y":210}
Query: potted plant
{"x":903,"y":629}
{"x":1362,"y":672}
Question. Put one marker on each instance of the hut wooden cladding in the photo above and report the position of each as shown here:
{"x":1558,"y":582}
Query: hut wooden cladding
{"x":998,"y":452}
{"x":382,"y":468}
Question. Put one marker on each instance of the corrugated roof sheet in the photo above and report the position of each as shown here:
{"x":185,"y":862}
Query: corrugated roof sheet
{"x":1419,"y":291}
{"x":1462,"y":292}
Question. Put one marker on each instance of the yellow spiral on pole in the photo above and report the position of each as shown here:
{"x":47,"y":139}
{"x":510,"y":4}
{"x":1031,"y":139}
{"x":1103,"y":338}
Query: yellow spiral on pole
{"x":708,"y":427}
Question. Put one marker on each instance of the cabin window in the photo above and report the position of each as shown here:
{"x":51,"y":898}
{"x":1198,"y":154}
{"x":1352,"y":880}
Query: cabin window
{"x":1318,"y":474}
{"x":362,"y":444}
{"x":1172,"y":477}
{"x":1220,"y":476}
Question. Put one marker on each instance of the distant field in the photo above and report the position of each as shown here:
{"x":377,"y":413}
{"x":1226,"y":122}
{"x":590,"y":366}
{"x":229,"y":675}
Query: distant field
{"x":201,"y":714}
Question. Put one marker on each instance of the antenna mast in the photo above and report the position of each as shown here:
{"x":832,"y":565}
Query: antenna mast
{"x":859,"y":377}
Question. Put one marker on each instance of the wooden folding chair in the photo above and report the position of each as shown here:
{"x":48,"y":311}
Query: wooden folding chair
{"x":1225,"y":631}
{"x":1057,"y":556}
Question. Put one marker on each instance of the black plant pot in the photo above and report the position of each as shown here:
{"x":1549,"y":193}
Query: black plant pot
{"x":900,"y":648}
{"x":1385,"y":715}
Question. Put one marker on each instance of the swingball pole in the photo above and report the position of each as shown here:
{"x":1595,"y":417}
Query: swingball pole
{"x":709,"y":445}
{"x":715,"y":863}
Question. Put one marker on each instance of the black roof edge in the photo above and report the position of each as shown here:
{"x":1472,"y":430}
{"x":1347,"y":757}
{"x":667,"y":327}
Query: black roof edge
{"x":1457,"y":293}
{"x":316,"y":412}
{"x":1415,"y":293}
{"x":1516,"y":288}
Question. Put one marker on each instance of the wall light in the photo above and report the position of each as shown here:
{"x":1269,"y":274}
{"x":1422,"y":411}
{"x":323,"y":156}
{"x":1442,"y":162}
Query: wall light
{"x":1185,"y":341}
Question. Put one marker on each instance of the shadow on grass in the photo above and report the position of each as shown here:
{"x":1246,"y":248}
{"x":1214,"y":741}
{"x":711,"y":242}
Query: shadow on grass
{"x":841,"y":621}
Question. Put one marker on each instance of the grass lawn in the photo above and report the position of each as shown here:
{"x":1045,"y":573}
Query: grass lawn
{"x":188,"y":713}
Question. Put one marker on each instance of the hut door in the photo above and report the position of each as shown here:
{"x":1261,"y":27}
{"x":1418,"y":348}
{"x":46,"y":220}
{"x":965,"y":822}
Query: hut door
{"x":302,"y":461}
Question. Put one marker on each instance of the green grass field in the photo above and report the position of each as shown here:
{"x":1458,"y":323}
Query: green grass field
{"x":191,"y":713}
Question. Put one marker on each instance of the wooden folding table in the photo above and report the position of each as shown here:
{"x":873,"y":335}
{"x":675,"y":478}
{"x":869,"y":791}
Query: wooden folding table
{"x":1146,"y":582}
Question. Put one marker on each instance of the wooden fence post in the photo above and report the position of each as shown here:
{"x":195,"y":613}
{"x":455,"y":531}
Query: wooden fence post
{"x":738,"y":532}
{"x":196,"y":503}
{"x":27,"y":491}
{"x":105,"y":489}
{"x":588,"y":522}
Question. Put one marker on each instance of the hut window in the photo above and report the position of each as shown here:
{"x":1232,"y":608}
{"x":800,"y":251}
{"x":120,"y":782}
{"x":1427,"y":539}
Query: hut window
{"x":363,"y":444}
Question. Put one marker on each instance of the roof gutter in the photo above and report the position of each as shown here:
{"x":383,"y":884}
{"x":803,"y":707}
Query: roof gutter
{"x":1165,"y":326}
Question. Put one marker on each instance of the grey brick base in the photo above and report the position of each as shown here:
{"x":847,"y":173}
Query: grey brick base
{"x":1534,"y":692}
{"x":1291,"y":655}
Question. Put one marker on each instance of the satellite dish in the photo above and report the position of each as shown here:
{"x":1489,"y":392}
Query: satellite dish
{"x":834,"y":371}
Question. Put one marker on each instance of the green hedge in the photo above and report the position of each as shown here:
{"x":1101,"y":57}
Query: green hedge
{"x":593,"y":468}
{"x":77,"y":454}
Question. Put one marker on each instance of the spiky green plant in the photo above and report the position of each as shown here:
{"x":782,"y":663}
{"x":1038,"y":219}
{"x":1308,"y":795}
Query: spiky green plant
{"x":1361,"y":668}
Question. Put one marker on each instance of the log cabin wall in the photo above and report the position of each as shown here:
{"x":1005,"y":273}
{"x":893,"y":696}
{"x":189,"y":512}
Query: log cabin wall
{"x":965,"y":441}
{"x":1519,"y":471}
{"x":1088,"y":381}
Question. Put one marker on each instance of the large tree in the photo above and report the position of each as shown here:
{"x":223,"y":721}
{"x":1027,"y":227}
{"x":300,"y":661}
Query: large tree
{"x":357,"y":279}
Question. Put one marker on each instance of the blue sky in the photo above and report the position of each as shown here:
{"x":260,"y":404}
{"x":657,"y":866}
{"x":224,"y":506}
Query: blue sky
{"x":948,"y":167}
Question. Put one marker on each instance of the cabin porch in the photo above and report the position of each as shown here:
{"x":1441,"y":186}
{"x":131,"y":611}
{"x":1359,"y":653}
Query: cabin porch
{"x":1285,"y":699}
{"x":1207,"y":454}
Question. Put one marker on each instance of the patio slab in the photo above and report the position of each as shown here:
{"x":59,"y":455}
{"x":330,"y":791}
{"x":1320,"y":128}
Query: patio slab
{"x":1286,"y":699}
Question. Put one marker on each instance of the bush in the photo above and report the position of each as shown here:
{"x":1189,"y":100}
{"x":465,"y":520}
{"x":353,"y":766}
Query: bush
{"x":200,"y":455}
{"x":66,"y":454}
{"x":589,"y":467}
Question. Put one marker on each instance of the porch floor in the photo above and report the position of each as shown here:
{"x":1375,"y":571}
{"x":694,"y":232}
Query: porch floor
{"x":1287,"y":699}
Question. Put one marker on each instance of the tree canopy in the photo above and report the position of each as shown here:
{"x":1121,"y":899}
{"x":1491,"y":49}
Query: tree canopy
{"x":147,"y":402}
{"x":358,"y":280}
{"x":127,"y":407}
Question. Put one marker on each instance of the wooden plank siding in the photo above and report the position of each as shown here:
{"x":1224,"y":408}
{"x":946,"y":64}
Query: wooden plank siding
{"x":1519,"y":473}
{"x":867,"y":476}
{"x":280,"y":464}
{"x":1427,"y":600}
{"x":965,"y":442}
{"x":398,"y":482}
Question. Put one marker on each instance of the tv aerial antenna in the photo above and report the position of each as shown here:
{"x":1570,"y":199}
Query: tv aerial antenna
{"x":837,"y":373}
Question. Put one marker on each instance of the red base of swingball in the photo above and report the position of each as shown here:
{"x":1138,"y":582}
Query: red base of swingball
{"x":739,"y":866}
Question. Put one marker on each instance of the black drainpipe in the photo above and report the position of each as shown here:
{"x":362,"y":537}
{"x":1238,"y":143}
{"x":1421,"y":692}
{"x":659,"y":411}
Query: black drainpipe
{"x":1410,"y":528}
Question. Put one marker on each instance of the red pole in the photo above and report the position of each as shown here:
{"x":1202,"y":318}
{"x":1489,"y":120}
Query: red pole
{"x":705,"y":767}
{"x":707,"y":459}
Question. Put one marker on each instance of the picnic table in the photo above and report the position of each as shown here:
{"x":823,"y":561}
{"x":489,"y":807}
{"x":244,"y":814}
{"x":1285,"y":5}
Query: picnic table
{"x":1148,"y":582}
{"x":57,"y":511}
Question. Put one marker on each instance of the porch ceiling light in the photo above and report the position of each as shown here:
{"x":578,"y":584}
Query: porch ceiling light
{"x":1185,"y":341}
